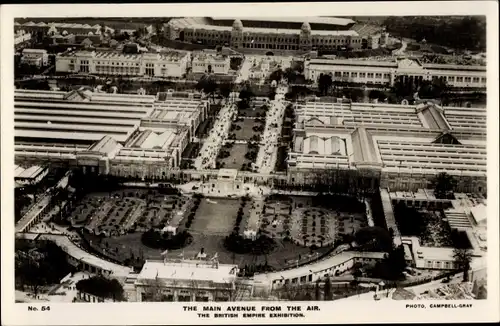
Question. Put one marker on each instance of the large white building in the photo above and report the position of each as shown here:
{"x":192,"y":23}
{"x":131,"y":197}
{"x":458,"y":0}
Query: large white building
{"x":146,"y":140}
{"x":206,"y":62}
{"x":403,"y":147}
{"x":276,"y":33}
{"x":35,"y":57}
{"x":388,"y":72}
{"x":163,"y":64}
{"x":186,"y":280}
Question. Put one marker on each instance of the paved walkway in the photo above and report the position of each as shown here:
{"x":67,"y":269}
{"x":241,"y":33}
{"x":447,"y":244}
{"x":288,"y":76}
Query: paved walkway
{"x":390,"y":220}
{"x":267,"y":155}
{"x":244,"y":71}
{"x":217,"y":135}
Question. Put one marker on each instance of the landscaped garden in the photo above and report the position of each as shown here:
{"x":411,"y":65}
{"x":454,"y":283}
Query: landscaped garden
{"x":246,"y":129}
{"x":122,"y":211}
{"x":428,"y":225}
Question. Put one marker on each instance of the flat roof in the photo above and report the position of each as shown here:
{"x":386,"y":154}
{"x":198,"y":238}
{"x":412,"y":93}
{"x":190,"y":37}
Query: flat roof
{"x":29,"y":173}
{"x":317,"y":267}
{"x":188,"y":270}
{"x":313,"y":20}
{"x":436,"y":253}
{"x":347,"y":62}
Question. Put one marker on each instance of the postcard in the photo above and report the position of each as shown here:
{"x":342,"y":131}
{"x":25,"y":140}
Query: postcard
{"x":249,"y":163}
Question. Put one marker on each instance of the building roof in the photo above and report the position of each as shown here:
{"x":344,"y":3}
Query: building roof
{"x":347,"y":62}
{"x":232,"y":173}
{"x":28,"y":173}
{"x":403,"y":294}
{"x":364,"y":147}
{"x":171,"y":56}
{"x":317,"y":267}
{"x":437,"y":253}
{"x":312,"y":20}
{"x":479,"y":213}
{"x":264,"y":30}
{"x":433,"y":117}
{"x":188,"y":270}
{"x":106,"y":145}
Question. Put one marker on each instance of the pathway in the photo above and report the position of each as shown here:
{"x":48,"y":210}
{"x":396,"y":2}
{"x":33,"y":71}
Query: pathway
{"x":267,"y":155}
{"x":212,"y":144}
{"x":244,"y":71}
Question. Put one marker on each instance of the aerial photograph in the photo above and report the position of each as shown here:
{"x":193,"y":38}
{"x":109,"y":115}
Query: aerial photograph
{"x":240,"y":158}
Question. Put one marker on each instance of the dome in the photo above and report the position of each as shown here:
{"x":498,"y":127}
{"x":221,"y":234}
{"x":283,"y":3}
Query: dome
{"x":306,"y":28}
{"x":90,"y":33}
{"x":64,"y":33}
{"x":238,"y":24}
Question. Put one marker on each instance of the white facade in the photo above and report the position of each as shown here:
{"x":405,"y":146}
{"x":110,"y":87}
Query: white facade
{"x":35,"y":57}
{"x":172,"y":64}
{"x":204,"y":63}
{"x":186,"y":280}
{"x":387,"y":72}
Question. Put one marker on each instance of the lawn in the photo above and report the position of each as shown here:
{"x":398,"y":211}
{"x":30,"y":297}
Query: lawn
{"x":245,"y":130}
{"x":256,"y":109}
{"x":215,"y":216}
{"x":236,"y":156}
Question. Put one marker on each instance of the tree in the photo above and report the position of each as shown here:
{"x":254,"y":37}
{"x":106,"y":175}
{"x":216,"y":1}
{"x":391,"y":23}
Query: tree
{"x":43,"y":265}
{"x":397,"y":262}
{"x":289,"y":74}
{"x":325,"y":82}
{"x":102,"y":287}
{"x":327,"y":289}
{"x":208,"y":85}
{"x":158,"y":28}
{"x":463,"y":258}
{"x":443,"y":185}
{"x":246,"y":94}
{"x":276,"y":75}
{"x":317,"y":291}
{"x":374,"y":238}
{"x":225,"y":89}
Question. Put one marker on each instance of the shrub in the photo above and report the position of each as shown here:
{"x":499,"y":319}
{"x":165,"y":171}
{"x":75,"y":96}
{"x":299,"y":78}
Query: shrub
{"x":154,"y":239}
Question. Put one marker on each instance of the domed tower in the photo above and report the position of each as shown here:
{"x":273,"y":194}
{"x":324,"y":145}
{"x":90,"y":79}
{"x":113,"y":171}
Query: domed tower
{"x":237,"y":34}
{"x":305,"y":37}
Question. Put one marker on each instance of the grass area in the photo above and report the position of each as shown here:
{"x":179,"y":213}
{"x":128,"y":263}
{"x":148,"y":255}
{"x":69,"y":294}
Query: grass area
{"x":255,"y":110}
{"x":243,"y":129}
{"x":236,"y":157}
{"x":215,"y":216}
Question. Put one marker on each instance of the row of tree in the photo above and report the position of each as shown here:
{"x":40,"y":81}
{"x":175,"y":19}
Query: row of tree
{"x":40,"y":265}
{"x":467,"y":32}
{"x":102,"y":287}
